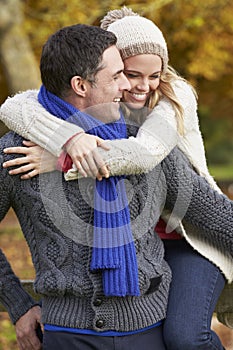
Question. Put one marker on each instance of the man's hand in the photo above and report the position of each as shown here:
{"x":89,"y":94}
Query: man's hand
{"x":83,"y":149}
{"x":36,"y":160}
{"x":25,"y":328}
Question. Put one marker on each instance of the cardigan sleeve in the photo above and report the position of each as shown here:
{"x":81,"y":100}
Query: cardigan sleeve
{"x":25,"y":115}
{"x":12,"y":295}
{"x":191,"y":199}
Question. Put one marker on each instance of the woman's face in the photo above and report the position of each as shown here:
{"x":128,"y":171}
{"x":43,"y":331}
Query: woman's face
{"x":143,"y":72}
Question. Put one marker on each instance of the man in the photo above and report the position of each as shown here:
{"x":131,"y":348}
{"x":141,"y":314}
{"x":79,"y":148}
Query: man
{"x":75,"y":278}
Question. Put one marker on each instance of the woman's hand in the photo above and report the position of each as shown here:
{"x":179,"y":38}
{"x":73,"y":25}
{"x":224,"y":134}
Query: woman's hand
{"x":36,"y":160}
{"x":83,"y":150}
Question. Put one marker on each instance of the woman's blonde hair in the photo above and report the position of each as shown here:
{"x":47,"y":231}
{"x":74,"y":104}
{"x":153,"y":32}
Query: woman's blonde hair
{"x":165,"y":89}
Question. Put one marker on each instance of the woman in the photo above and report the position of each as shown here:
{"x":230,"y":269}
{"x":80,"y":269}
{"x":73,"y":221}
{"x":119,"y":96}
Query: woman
{"x":199,"y":274}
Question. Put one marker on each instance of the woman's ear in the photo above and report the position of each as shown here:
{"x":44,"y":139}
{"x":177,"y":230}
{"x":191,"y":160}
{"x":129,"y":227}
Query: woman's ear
{"x":78,"y":85}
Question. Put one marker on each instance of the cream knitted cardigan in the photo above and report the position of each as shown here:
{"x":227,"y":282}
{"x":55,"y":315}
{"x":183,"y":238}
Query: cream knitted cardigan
{"x":155,"y":139}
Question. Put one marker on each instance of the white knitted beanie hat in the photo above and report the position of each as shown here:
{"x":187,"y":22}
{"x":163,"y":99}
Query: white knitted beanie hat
{"x":135,"y":34}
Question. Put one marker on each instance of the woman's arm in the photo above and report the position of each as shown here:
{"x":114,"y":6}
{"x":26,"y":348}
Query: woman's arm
{"x":141,"y":153}
{"x":25,"y":115}
{"x":155,"y":139}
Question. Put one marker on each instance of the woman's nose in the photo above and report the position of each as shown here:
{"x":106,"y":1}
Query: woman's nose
{"x":144,"y":85}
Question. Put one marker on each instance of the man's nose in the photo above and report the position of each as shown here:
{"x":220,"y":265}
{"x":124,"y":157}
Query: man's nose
{"x":125,"y":85}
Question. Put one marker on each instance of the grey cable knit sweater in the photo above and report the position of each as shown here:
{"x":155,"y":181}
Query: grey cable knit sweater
{"x":56,"y":218}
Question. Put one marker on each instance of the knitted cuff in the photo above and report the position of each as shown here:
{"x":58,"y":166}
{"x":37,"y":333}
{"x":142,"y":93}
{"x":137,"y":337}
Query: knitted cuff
{"x":17,"y":302}
{"x":64,"y":162}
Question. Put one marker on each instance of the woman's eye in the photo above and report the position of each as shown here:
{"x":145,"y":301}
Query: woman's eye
{"x":156,"y":76}
{"x":130,"y":75}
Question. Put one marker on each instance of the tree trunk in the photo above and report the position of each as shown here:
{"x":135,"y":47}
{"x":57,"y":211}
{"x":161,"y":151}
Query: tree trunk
{"x":18,"y":61}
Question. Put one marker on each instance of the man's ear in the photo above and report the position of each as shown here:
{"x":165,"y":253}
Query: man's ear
{"x":78,"y":85}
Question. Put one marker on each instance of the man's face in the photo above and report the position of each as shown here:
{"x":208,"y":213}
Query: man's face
{"x":102,"y":99}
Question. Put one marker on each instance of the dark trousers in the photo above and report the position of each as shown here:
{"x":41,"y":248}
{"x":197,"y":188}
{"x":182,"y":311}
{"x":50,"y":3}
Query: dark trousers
{"x":149,"y":340}
{"x":194,"y":291}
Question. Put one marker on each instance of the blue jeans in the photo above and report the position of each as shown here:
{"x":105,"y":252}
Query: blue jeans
{"x":195,"y":288}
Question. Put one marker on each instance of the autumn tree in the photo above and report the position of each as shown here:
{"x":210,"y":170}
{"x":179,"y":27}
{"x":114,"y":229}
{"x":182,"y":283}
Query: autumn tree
{"x":199,"y":35}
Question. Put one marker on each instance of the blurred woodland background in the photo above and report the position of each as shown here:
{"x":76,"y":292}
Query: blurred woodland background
{"x":199,"y":35}
{"x":200,"y":42}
